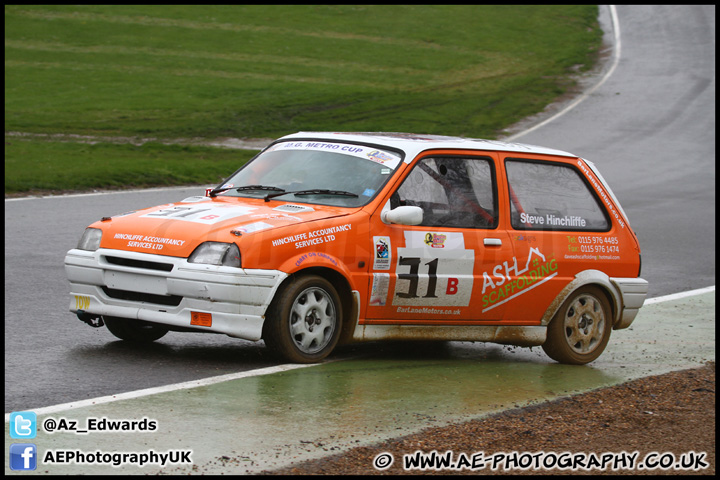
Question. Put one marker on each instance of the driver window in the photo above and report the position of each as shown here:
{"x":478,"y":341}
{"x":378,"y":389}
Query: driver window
{"x":452,"y":191}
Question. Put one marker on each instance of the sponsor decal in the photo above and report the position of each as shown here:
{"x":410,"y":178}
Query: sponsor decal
{"x":148,"y":241}
{"x":374,"y":155}
{"x":277,"y":216}
{"x":315,"y":237}
{"x":434,"y":274}
{"x":315,"y":256}
{"x":383,"y":253}
{"x":592,"y":247}
{"x":380,"y":157}
{"x":202,"y":319}
{"x":601,"y":191}
{"x":253,"y":227}
{"x":200,"y":213}
{"x":379,"y":291}
{"x":525,"y":238}
{"x":435,"y":240}
{"x":508,"y":281}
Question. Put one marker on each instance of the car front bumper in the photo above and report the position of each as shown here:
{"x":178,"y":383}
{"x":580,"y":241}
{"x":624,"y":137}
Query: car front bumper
{"x":171,"y":291}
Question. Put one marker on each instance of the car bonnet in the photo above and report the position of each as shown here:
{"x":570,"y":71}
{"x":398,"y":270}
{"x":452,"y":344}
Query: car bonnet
{"x":176,"y":229}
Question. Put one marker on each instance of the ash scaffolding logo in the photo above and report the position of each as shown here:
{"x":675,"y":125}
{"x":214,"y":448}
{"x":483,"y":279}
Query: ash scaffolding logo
{"x":504,"y":286}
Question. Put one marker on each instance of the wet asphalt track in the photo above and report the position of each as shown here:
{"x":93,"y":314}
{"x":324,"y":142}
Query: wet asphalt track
{"x":650,"y":129}
{"x":243,"y":425}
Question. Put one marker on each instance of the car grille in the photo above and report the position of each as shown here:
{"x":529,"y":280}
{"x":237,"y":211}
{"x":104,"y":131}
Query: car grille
{"x":167,"y":300}
{"x":144,"y":264}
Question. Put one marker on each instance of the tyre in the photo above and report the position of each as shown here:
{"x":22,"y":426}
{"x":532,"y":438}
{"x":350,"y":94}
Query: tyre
{"x":134,"y":330}
{"x":580,"y":330}
{"x":304,"y":320}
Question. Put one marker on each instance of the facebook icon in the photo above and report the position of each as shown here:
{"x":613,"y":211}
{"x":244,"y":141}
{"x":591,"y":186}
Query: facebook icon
{"x":23,"y":456}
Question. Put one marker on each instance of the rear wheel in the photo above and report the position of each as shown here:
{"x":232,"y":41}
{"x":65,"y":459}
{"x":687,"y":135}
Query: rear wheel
{"x":580,"y":330}
{"x":304,"y":320}
{"x":134,"y":330}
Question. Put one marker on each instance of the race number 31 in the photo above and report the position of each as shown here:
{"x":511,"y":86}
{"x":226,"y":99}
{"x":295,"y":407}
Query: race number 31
{"x":434,"y":277}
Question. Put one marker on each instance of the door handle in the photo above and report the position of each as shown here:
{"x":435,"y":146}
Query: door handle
{"x":492,"y":242}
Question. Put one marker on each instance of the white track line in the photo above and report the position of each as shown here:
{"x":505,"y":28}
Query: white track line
{"x":166,"y":388}
{"x":200,"y":189}
{"x":581,"y":98}
{"x":676,"y":296}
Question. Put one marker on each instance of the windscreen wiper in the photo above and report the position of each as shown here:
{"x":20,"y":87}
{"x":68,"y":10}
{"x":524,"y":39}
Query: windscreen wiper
{"x":246,"y":187}
{"x":315,"y":191}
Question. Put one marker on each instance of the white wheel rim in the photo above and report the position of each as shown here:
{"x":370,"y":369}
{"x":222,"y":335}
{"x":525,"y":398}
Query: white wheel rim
{"x":584,"y":324}
{"x":312,"y":320}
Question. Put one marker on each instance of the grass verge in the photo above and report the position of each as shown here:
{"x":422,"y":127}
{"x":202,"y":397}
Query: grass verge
{"x":61,"y":166}
{"x":184,"y":71}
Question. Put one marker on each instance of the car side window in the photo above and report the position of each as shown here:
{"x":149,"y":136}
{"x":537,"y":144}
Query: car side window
{"x":551,"y":196}
{"x":452,"y":191}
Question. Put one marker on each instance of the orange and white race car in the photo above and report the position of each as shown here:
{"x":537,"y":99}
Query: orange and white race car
{"x":332,"y":237}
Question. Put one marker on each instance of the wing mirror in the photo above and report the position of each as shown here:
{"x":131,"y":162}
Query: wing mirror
{"x":405,"y":215}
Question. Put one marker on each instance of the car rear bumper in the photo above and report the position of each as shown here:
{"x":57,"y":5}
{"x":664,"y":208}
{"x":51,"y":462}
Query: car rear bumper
{"x":171,"y":291}
{"x":633,"y":292}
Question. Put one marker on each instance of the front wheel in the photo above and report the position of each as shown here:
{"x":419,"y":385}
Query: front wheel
{"x":580,"y":330}
{"x":134,"y":330}
{"x":304,"y":320}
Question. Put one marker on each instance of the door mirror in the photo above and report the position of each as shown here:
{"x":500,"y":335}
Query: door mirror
{"x":406,"y":215}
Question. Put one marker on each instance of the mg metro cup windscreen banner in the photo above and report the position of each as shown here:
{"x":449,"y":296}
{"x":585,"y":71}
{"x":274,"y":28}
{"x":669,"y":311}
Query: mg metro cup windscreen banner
{"x":387,"y":159}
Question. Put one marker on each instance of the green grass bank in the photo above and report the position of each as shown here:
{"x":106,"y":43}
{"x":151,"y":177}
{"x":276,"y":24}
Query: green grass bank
{"x":170,"y":72}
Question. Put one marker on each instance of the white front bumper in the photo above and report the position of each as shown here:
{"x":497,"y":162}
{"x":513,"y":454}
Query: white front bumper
{"x":167,"y":290}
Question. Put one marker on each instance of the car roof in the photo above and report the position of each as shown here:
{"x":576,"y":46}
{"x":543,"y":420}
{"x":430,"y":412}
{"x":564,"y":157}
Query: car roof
{"x":413,"y":144}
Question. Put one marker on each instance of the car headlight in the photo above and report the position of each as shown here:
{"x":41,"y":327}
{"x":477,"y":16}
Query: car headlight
{"x":216,"y":253}
{"x":90,"y":239}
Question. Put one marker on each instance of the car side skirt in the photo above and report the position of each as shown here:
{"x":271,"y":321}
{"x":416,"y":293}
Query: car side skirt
{"x":526,"y":336}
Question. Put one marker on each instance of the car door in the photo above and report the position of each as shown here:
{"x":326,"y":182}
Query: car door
{"x":559,"y":228}
{"x":433,"y":273}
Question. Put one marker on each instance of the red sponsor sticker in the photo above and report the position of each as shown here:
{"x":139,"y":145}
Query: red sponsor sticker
{"x":201,"y":319}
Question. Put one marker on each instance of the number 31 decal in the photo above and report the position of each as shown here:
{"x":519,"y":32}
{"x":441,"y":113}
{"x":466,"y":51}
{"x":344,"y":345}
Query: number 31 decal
{"x":426,"y":277}
{"x":200,"y":213}
{"x":414,"y":264}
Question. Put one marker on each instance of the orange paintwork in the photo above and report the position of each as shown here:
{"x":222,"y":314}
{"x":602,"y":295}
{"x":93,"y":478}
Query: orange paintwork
{"x":433,"y":275}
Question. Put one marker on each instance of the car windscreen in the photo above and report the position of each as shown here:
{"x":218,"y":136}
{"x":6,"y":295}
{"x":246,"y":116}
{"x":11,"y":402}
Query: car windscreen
{"x":323,"y":173}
